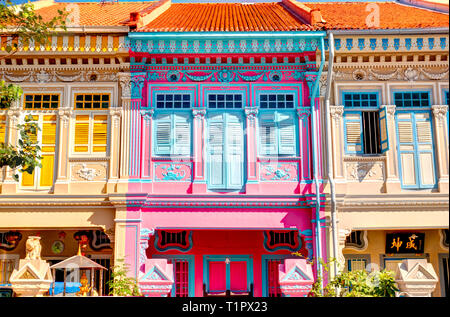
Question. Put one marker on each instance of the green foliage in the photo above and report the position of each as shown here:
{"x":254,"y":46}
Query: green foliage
{"x":120,"y":284}
{"x":358,"y":283}
{"x":23,"y":23}
{"x":25,"y":156}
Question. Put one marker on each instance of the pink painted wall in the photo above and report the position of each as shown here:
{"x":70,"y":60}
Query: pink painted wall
{"x":224,"y":242}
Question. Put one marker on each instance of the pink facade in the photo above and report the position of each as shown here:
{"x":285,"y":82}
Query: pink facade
{"x":221,"y":171}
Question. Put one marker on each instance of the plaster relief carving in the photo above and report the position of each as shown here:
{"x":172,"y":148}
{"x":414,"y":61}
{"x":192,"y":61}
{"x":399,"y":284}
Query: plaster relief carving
{"x":435,"y":76}
{"x":365,"y":171}
{"x":440,"y":112}
{"x":382,"y":76}
{"x":411,"y":74}
{"x":91,"y":172}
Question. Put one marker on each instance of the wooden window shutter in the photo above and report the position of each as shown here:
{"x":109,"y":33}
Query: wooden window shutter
{"x":163,"y":134}
{"x":267,"y":134}
{"x":2,"y":129}
{"x":100,"y":133}
{"x":353,"y":132}
{"x":182,"y":138}
{"x":286,"y":126}
{"x":384,"y":135}
{"x":82,"y":133}
{"x":216,"y":177}
{"x":235,"y":153}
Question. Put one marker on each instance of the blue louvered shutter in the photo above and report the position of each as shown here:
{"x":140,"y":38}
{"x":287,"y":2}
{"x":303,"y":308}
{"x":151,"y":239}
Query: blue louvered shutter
{"x":163,"y":134}
{"x":234,"y":149}
{"x":424,"y":148}
{"x":216,"y":175}
{"x":415,"y":147}
{"x":182,"y":134}
{"x":267,"y":134}
{"x":353,"y":132}
{"x":384,"y":136}
{"x":286,"y":134}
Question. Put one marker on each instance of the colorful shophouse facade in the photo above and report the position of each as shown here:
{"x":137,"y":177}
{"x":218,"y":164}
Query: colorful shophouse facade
{"x":224,"y":180}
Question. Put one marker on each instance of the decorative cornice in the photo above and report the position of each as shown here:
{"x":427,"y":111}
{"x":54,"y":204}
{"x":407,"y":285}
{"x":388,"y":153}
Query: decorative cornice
{"x":380,"y":158}
{"x":251,"y":113}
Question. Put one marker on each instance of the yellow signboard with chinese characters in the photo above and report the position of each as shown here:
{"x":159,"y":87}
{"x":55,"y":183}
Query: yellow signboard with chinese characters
{"x":405,"y":242}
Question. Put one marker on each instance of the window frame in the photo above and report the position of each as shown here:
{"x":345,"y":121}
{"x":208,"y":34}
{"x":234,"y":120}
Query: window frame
{"x":227,"y":186}
{"x":359,"y":111}
{"x":171,"y":113}
{"x":416,"y":150}
{"x":265,"y":258}
{"x":91,"y":113}
{"x":233,"y":258}
{"x":276,"y":112}
{"x":190,"y":258}
{"x":349,"y":257}
{"x":420,"y":91}
{"x":10,"y":257}
{"x":37,"y":171}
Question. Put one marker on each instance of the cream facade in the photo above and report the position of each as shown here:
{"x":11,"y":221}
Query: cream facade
{"x":78,"y":90}
{"x":389,"y":148}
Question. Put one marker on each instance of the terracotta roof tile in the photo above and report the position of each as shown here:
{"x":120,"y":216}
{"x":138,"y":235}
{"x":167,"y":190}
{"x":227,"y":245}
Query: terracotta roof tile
{"x":392,"y":16}
{"x":97,"y":14}
{"x":225,"y":17}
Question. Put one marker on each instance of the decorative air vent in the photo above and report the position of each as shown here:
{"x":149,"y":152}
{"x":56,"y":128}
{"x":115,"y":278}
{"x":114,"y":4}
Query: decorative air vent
{"x":282,"y":240}
{"x":356,"y":240}
{"x":173,"y":239}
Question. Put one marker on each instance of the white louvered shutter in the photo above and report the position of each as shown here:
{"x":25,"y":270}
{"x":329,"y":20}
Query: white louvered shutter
{"x":286,"y":126}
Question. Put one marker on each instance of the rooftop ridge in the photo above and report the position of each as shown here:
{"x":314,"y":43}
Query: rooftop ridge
{"x":310,"y":16}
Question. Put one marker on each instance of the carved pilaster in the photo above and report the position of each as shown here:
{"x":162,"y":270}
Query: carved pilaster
{"x":440,"y":112}
{"x":125,"y":84}
{"x":145,"y":234}
{"x":303,"y":113}
{"x":198,"y":113}
{"x":342,"y":236}
{"x":336,"y":112}
{"x":147,"y":114}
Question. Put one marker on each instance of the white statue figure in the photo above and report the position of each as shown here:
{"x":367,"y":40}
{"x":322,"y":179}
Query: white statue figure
{"x":33,"y":248}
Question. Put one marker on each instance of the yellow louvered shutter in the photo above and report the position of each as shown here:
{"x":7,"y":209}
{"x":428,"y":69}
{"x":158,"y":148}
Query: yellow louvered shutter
{"x":28,"y":179}
{"x":48,"y":150}
{"x":405,"y":132}
{"x":82,"y":133}
{"x":2,"y":129}
{"x":100,"y":133}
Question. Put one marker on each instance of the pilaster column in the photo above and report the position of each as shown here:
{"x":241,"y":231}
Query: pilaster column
{"x":62,"y":155}
{"x":337,"y":143}
{"x":9,"y":185}
{"x":252,"y":165}
{"x":305,"y":146}
{"x":114,"y":149}
{"x":342,"y":236}
{"x":146,"y":159}
{"x":137,"y":84}
{"x":199,"y":178}
{"x":392,"y":164}
{"x":125,"y":85}
{"x":441,"y":150}
{"x":144,"y":235}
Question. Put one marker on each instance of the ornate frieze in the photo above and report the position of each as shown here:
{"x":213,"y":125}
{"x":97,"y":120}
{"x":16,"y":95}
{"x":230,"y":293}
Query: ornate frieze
{"x":173,"y":172}
{"x":46,"y":76}
{"x":363,"y":171}
{"x":89,"y":171}
{"x":276,"y":172}
{"x":411,"y":74}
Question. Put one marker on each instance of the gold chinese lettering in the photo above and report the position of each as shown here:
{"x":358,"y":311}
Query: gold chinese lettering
{"x":396,"y":244}
{"x":411,"y":244}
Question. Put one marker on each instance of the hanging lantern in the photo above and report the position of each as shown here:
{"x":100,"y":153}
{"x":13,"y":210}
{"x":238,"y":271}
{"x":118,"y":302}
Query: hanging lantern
{"x":61,"y":235}
{"x":13,"y":237}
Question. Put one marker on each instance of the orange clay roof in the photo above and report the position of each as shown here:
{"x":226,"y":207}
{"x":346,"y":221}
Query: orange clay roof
{"x":225,"y":17}
{"x":392,"y":16}
{"x":97,"y":14}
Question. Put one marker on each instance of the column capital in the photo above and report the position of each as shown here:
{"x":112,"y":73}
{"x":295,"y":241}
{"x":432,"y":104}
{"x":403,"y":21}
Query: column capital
{"x":336,"y":112}
{"x":199,"y":113}
{"x":251,"y":113}
{"x":147,"y":114}
{"x":390,"y":109}
{"x":439,"y":112}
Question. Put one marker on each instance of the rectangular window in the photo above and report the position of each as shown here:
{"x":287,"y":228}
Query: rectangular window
{"x":181,"y":277}
{"x":41,"y":101}
{"x":277,"y":133}
{"x":412,"y":99}
{"x":360,"y":100}
{"x":91,"y":133}
{"x":225,"y":101}
{"x":172,"y":133}
{"x":173,"y":101}
{"x":415,"y":149}
{"x":225,"y":151}
{"x":7,"y":265}
{"x":46,"y":139}
{"x":273,"y":283}
{"x":276,"y":101}
{"x":365,"y":128}
{"x":92,"y":101}
{"x":356,"y":264}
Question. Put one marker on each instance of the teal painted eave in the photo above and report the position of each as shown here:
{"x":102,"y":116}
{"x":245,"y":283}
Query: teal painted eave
{"x":224,"y":35}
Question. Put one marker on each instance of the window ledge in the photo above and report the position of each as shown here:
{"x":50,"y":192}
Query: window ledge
{"x":278,"y":159}
{"x":359,"y":158}
{"x":89,"y":158}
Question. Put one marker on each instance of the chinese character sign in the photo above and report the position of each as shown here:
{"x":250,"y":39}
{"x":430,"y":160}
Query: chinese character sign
{"x":405,"y":242}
